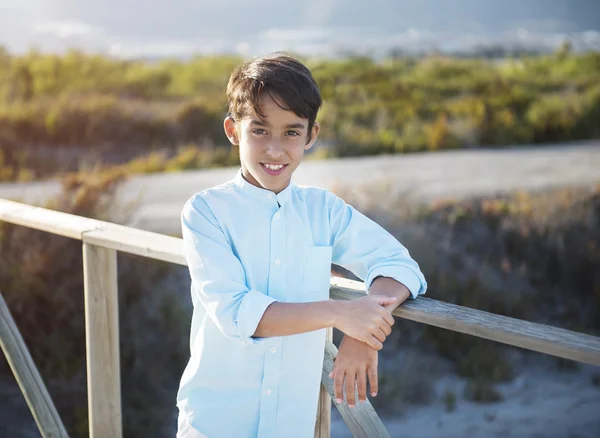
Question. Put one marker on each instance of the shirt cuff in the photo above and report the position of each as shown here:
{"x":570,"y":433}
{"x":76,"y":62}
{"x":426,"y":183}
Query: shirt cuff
{"x":409,"y":278}
{"x":251,"y":311}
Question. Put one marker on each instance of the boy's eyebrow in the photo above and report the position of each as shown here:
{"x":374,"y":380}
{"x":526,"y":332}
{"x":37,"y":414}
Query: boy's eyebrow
{"x":258,"y":122}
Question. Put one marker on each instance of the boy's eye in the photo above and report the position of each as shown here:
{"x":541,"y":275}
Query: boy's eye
{"x":293,"y":133}
{"x":258,"y":131}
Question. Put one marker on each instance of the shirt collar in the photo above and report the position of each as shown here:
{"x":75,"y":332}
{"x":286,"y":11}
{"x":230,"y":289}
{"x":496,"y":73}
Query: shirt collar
{"x":259,"y":193}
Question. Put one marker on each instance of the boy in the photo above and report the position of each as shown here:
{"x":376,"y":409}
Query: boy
{"x":259,"y":250}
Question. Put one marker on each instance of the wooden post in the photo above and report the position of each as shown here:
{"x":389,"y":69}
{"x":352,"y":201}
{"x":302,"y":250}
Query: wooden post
{"x":28,"y":377}
{"x":102,"y":341}
{"x":323,"y":425}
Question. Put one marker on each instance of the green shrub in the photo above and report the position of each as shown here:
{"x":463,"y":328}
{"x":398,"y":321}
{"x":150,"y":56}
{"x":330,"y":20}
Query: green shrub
{"x":116,"y":107}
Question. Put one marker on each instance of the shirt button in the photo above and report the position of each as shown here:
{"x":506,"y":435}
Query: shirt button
{"x":273,"y":350}
{"x":270,"y":196}
{"x":268,"y":392}
{"x":277,"y":262}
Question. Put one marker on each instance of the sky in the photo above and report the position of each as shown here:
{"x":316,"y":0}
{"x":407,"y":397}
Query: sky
{"x":184,"y":27}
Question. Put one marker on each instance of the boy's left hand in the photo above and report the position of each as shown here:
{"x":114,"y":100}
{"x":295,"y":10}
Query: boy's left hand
{"x":355,"y":361}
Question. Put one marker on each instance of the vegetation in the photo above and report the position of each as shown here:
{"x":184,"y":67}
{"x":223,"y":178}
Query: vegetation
{"x":534,"y":256}
{"x":42,"y":281}
{"x":57,"y":111}
{"x":481,"y":391}
{"x":449,"y":400}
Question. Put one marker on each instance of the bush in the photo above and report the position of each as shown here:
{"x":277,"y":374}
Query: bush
{"x":121,"y":109}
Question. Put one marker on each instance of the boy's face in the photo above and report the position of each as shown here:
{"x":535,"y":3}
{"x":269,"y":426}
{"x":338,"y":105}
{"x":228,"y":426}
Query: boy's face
{"x":271,"y":148}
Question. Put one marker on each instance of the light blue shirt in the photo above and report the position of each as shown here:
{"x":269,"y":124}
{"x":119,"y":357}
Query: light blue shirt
{"x":246,"y":248}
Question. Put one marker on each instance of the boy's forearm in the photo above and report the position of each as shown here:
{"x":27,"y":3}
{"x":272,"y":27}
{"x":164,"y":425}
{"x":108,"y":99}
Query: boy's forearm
{"x":389,"y":286}
{"x":283,"y":319}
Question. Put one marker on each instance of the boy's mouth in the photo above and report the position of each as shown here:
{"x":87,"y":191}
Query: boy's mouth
{"x":273,"y":168}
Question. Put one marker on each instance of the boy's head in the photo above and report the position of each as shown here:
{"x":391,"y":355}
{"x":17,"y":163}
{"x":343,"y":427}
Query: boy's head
{"x":273,"y":104}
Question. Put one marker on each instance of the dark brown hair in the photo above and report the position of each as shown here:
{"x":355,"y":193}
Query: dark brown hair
{"x":289,"y":83}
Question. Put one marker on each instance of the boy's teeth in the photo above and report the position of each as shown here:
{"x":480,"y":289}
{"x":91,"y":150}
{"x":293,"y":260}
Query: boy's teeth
{"x":273,"y":166}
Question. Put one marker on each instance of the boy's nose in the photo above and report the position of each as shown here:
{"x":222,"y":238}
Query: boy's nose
{"x":274,"y":149}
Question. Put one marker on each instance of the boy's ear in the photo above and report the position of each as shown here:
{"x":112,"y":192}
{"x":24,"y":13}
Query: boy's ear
{"x":230,"y":130}
{"x":313,"y":136}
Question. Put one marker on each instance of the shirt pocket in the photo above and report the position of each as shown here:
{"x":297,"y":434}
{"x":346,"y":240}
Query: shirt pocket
{"x":317,"y":269}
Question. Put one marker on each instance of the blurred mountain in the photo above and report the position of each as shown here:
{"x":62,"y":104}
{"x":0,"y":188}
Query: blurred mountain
{"x":183,"y":27}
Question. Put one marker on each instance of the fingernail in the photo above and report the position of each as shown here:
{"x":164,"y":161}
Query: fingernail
{"x":373,"y":394}
{"x":350,"y":406}
{"x":338,"y":400}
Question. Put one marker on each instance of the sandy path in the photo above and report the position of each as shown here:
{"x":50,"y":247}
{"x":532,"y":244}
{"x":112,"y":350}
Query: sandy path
{"x":449,"y":174}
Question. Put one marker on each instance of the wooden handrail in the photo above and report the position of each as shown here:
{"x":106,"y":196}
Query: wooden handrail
{"x":106,"y":238}
{"x":530,"y":335}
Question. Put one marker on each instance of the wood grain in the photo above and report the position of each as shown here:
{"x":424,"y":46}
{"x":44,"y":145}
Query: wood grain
{"x":55,"y":222}
{"x":323,"y":425}
{"x":28,"y":377}
{"x":532,"y":336}
{"x":102,"y":341}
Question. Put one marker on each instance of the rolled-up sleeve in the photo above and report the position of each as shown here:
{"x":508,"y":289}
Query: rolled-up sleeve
{"x":369,"y":251}
{"x":218,"y":277}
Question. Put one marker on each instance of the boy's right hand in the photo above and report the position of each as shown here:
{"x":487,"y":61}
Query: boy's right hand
{"x":366,"y":319}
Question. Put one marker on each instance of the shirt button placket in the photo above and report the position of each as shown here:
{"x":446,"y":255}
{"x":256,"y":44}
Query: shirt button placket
{"x":270,"y":385}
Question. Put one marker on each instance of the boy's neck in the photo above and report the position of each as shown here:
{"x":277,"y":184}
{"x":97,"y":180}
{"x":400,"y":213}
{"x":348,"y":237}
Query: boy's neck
{"x":251,"y":180}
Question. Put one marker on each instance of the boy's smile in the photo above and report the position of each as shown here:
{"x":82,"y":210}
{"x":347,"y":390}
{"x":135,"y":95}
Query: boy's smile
{"x":271,"y":147}
{"x":274,"y":168}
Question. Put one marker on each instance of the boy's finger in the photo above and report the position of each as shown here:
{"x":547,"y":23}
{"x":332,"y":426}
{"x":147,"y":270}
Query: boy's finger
{"x":362,"y":386}
{"x":386,"y":329}
{"x":388,"y":318}
{"x":373,"y":383}
{"x":350,"y":389}
{"x":384,"y":300}
{"x":374,"y":343}
{"x":338,"y":387}
{"x":379,"y":334}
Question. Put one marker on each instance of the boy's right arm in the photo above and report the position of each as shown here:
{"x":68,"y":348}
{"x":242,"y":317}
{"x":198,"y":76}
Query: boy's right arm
{"x":219,"y":286}
{"x":365,"y":319}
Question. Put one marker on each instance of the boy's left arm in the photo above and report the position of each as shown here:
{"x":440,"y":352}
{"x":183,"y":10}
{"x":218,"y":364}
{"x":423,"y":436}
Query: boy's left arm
{"x":370,"y":252}
{"x":356,"y":361}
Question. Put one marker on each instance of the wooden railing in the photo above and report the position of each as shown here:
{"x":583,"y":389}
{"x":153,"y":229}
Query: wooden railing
{"x":101,"y":241}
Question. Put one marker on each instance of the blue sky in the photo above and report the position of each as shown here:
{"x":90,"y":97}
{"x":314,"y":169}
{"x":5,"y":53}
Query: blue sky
{"x":182,"y":27}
